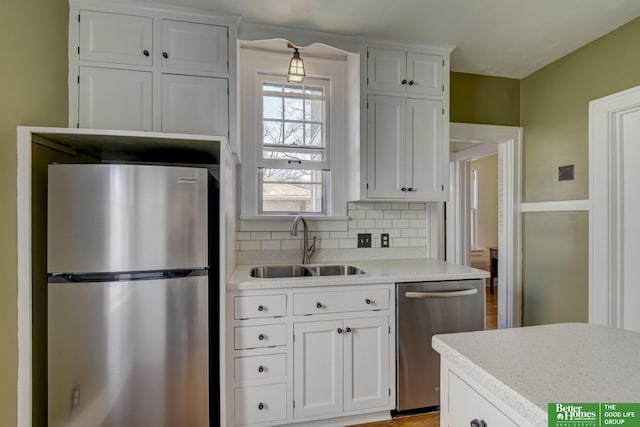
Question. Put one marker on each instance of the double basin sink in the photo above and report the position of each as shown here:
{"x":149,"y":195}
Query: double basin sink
{"x":299,"y":270}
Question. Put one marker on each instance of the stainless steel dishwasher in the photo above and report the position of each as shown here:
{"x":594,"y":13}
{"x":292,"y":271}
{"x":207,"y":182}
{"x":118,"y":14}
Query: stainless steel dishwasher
{"x":425,"y":309}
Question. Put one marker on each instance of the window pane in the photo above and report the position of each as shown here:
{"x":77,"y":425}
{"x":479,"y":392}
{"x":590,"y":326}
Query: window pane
{"x":314,"y":90}
{"x":293,"y":109}
{"x":293,"y":89}
{"x":272,"y":87}
{"x":313,"y":135}
{"x":314,"y":110}
{"x":292,"y":191}
{"x":272,"y":107}
{"x":294,"y":155}
{"x":272,"y":132}
{"x":293,"y":133}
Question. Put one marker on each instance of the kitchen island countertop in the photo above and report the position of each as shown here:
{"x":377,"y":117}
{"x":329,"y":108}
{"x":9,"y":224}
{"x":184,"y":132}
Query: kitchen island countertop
{"x":528,"y":368}
{"x":378,"y":271}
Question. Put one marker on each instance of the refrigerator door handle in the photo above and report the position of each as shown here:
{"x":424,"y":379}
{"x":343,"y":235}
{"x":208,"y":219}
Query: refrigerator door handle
{"x":448,"y":294}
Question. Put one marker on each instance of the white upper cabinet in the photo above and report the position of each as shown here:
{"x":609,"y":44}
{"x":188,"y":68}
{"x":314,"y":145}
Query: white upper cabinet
{"x":404,"y":146}
{"x":136,"y":66}
{"x":115,"y":99}
{"x":192,"y":104}
{"x":407,"y":72}
{"x":194,"y":46}
{"x":116,"y":38}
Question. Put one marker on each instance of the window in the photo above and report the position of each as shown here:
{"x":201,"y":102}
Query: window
{"x":293,"y":162}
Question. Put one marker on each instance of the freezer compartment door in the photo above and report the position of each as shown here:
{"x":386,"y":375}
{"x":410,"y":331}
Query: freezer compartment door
{"x":425,"y":309}
{"x":128,"y":353}
{"x":114,"y":218}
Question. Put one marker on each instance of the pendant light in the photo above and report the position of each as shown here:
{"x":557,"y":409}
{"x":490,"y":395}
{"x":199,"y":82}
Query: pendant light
{"x":296,"y":67}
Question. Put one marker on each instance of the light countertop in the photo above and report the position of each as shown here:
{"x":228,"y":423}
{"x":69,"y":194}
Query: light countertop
{"x":379,"y":271}
{"x":529,"y":367}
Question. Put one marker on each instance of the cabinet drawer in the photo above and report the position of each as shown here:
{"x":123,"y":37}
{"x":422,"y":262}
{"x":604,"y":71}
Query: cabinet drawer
{"x":337,"y":302}
{"x":466,"y":404}
{"x":254,"y":405}
{"x":261,"y":367}
{"x":260,"y":336}
{"x":259,"y":306}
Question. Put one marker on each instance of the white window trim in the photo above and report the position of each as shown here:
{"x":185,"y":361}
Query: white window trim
{"x":252,"y":64}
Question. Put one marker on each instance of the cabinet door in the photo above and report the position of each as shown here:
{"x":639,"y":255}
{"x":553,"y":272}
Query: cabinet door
{"x":386,"y":128}
{"x":386,"y":69}
{"x":424,"y":149}
{"x":192,"y":46}
{"x":198,"y":105}
{"x":424,"y":74}
{"x":366,"y":363}
{"x":318,"y":370}
{"x":115,"y":99}
{"x":111,"y":37}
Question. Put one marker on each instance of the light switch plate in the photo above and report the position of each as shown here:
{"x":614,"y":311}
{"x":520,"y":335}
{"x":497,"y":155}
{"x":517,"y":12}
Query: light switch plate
{"x":566,"y":173}
{"x":384,"y":240}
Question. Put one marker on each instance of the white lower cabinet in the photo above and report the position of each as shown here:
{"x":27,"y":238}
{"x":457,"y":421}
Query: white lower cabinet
{"x":340,"y":365}
{"x":292,"y":363}
{"x":464,"y":402}
{"x":260,"y":404}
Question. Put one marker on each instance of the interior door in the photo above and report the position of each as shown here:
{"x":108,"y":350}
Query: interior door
{"x":318,"y":368}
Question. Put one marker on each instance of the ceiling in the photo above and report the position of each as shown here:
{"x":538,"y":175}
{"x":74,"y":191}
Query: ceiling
{"x":508,"y":38}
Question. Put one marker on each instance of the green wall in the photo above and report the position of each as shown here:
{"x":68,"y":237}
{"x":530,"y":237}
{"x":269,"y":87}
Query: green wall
{"x":33,"y":88}
{"x":555,"y":115}
{"x":484,"y":100}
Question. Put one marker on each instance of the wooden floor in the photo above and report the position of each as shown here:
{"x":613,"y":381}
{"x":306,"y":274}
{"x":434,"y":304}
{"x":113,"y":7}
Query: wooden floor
{"x":425,"y":420}
{"x":433,"y":419}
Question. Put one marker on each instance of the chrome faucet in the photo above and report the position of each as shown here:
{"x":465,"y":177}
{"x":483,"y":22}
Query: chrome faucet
{"x":307,"y":251}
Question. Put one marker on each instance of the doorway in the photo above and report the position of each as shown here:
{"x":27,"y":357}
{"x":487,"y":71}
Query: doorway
{"x":483,"y":140}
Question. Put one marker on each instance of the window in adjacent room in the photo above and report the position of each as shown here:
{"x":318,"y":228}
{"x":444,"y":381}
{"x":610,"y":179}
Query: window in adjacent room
{"x":474,"y":209}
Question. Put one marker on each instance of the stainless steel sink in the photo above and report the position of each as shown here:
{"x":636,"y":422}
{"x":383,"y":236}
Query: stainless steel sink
{"x":336,"y":270}
{"x":280,"y":271}
{"x":284,"y":271}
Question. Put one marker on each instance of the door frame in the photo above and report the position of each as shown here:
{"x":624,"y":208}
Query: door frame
{"x":606,"y":195}
{"x":507,"y":142}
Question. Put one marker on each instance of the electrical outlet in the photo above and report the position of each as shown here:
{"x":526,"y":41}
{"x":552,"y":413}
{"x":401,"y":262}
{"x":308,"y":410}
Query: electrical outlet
{"x":364,"y":240}
{"x":384,"y":240}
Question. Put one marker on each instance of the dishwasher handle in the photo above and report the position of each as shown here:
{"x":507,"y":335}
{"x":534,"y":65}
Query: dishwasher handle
{"x":446,"y":294}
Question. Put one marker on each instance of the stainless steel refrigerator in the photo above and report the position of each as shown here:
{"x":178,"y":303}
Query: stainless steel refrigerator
{"x":127,"y":257}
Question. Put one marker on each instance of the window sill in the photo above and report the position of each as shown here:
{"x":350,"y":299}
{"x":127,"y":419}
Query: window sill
{"x":283,"y":223}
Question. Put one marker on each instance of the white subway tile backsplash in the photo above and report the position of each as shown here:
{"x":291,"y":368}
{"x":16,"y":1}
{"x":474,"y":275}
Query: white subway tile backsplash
{"x":409,"y":214}
{"x":374,"y":214}
{"x":260,"y":235}
{"x":249,"y":245}
{"x":405,"y":222}
{"x":400,"y":223}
